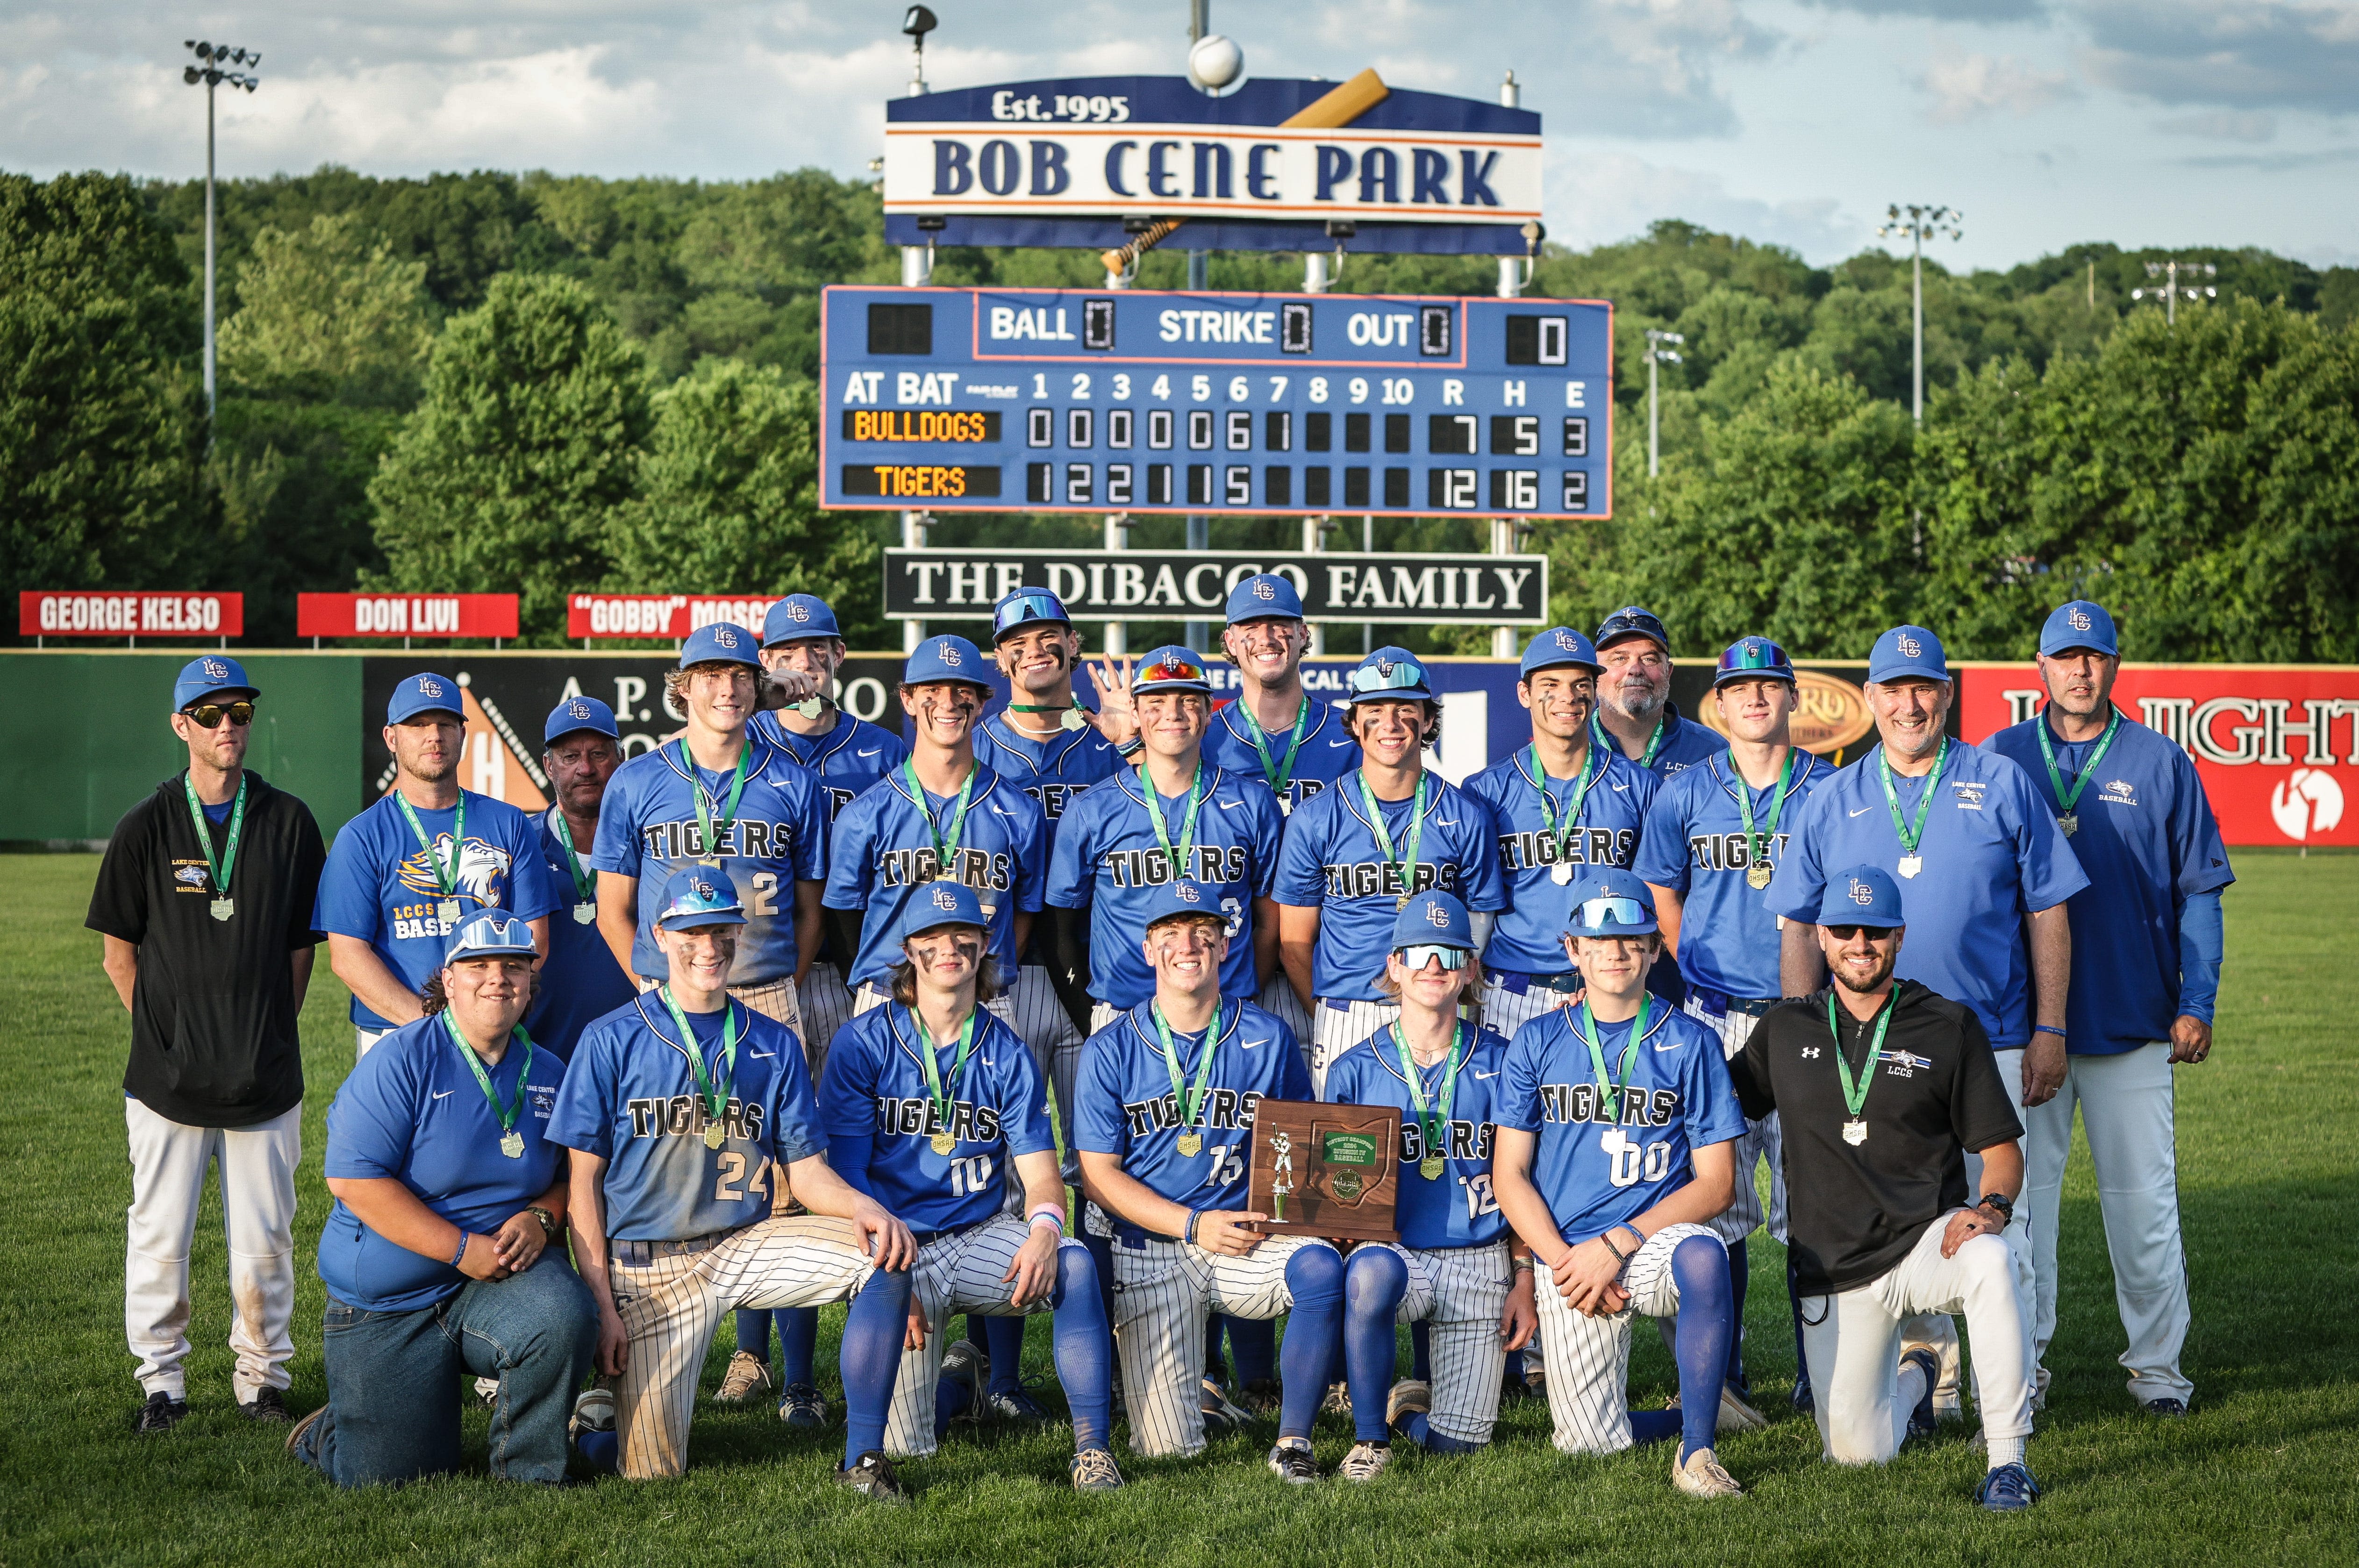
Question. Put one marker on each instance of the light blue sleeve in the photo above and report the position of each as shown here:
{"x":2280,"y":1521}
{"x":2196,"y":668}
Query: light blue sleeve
{"x":810,"y":831}
{"x":531,"y":876}
{"x":1798,"y":886}
{"x":2202,"y":938}
{"x":349,"y":903}
{"x":1072,"y":860}
{"x":1486,"y":883}
{"x":1518,"y":1102}
{"x":849,"y":859}
{"x":582,"y":1117}
{"x":1662,"y":857}
{"x":1032,"y":860}
{"x":617,"y":848}
{"x":1301,"y":878}
{"x":1269,"y":840}
{"x":373,"y":1119}
{"x":1099,"y":1126}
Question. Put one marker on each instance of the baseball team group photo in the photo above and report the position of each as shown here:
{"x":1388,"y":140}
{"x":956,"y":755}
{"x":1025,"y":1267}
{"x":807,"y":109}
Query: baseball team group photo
{"x":1426,"y":947}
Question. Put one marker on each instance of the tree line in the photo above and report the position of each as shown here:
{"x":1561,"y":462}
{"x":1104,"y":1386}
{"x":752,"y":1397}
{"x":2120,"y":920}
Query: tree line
{"x":537,"y":385}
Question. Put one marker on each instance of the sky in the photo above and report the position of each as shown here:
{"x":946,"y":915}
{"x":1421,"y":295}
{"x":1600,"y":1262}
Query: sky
{"x":2147,"y":122}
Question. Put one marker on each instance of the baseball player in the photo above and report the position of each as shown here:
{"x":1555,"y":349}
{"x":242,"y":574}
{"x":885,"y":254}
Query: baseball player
{"x":693,"y":1123}
{"x":2146,"y":969}
{"x":1633,"y":689}
{"x":1565,"y":803}
{"x":404,"y":874}
{"x":1712,"y":839}
{"x":926,"y":1101}
{"x":1615,"y":1128}
{"x":1875,"y":1173}
{"x":803,"y":648}
{"x":1164,"y":1116}
{"x":1452,"y":1267}
{"x":580,"y":749}
{"x":1985,"y":872}
{"x":1354,"y":856}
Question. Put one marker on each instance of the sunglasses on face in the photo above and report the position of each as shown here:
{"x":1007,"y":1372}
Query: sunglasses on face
{"x":1845,"y":933}
{"x":1400,"y":676}
{"x":1596,"y":913}
{"x":209,"y":715}
{"x":1025,"y":610}
{"x":1418,"y":954}
{"x":1170,"y":670}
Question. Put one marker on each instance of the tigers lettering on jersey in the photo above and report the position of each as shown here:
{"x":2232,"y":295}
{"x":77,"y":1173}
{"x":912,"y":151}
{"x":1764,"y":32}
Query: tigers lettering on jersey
{"x":984,"y":871}
{"x":749,"y":838}
{"x":1224,"y":1110}
{"x":1467,"y":1140}
{"x":684,"y":1116}
{"x":905,"y":1116}
{"x":1584,"y":1102}
{"x":1729,"y":851}
{"x":1588,"y":847}
{"x":1219,"y":864}
{"x":1367,"y":879}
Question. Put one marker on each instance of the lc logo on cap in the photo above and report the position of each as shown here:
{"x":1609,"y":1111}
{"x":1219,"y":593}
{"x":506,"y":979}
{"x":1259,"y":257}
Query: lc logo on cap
{"x":1435,"y":916}
{"x":216,"y":670}
{"x":942,"y":899}
{"x":704,"y":889}
{"x":428,"y":686}
{"x":2080,"y":619}
{"x":725,"y":636}
{"x":797,"y":613}
{"x":948,"y":653}
{"x":1186,"y":894}
{"x":576,"y":708}
{"x":1909,"y":646}
{"x":1860,"y":893}
{"x":1264,"y":592}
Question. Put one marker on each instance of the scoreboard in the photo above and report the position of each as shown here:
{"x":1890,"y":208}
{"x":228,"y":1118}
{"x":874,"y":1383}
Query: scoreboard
{"x":1072,"y":400}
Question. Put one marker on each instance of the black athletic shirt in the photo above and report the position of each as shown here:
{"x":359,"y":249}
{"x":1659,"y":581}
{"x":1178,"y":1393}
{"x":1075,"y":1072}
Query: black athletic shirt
{"x":1854,"y":1211}
{"x":214,"y":1042}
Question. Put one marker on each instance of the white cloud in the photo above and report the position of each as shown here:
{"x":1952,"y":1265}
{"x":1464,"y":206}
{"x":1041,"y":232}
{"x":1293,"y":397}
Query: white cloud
{"x":1597,"y":199}
{"x":2257,"y":54}
{"x":2222,"y":126}
{"x":1968,"y":86}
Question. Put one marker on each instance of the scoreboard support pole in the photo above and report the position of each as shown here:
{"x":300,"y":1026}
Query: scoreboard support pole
{"x":913,"y":537}
{"x":1117,"y":537}
{"x":1512,"y":281}
{"x":1314,"y":539}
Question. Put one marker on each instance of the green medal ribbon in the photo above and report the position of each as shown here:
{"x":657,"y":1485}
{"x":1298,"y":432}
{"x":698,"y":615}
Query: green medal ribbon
{"x":1758,"y":843}
{"x":704,"y":799}
{"x":1190,"y":1099}
{"x":1599,"y":736}
{"x":1180,"y":860}
{"x":1856,"y":1093}
{"x":1434,"y":1121}
{"x":226,"y":862}
{"x":1592,"y":768}
{"x":506,"y":1114}
{"x":2064,"y":798}
{"x":446,"y":878}
{"x":1279,"y":775}
{"x":584,"y":882}
{"x":1910,"y":832}
{"x":1415,"y":831}
{"x":1607,"y":1085}
{"x":945,"y":1099}
{"x":712,"y":1088}
{"x":946,"y":845}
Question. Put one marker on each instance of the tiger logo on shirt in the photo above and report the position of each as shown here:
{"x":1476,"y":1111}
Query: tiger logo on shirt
{"x":483,"y":871}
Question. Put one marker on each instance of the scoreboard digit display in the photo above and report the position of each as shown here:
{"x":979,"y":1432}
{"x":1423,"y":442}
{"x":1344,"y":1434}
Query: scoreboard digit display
{"x":1070,"y":400}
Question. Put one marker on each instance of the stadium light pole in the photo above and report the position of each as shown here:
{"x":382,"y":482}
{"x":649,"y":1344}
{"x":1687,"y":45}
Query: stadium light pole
{"x":2170,"y":292}
{"x":1918,"y":224}
{"x":1656,"y":353}
{"x":210,"y":58}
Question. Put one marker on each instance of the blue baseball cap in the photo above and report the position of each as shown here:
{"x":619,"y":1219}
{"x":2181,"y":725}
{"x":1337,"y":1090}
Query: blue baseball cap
{"x":2080,"y":624}
{"x":1754,"y":658}
{"x":579,"y":713}
{"x":1610,"y":901}
{"x":1171,"y":668}
{"x":424,"y":693}
{"x":1908,"y":652}
{"x":1388,"y":675}
{"x":942,"y":904}
{"x":795,"y":617}
{"x":1631,"y":621}
{"x":1263,"y":597}
{"x":1864,"y":895}
{"x":218,"y":675}
{"x":1185,"y":899}
{"x":1027,"y":607}
{"x":947,"y":658}
{"x":698,"y":895}
{"x":722,"y":643}
{"x":1436,"y":918}
{"x":490,"y":935}
{"x":1557,"y":646}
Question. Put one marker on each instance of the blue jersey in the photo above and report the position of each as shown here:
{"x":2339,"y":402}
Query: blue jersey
{"x":648,"y":827}
{"x":1326,"y":754}
{"x":850,"y":757}
{"x":1108,"y":860}
{"x":1529,"y":938}
{"x":1685,"y":743}
{"x":630,"y":1099}
{"x":1695,"y":844}
{"x":880,"y":1117}
{"x":380,"y":884}
{"x":2147,"y":843}
{"x":1053,"y":772}
{"x":1595,"y":1169}
{"x":1992,"y":854}
{"x":1333,"y":861}
{"x":412,"y":1112}
{"x":1458,"y":1207}
{"x":580,"y":981}
{"x":1123,"y":1103}
{"x":884,"y":851}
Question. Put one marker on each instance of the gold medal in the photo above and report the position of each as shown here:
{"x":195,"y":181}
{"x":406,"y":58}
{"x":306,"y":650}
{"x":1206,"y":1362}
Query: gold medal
{"x":710,"y":863}
{"x":1911,"y":864}
{"x":2069,"y":822}
{"x":1431,"y":1167}
{"x":1756,"y":876}
{"x":1072,"y":719}
{"x":222,"y":908}
{"x":943,"y":1142}
{"x":1854,"y":1130}
{"x":447,"y":909}
{"x":512,"y":1144}
{"x":715,"y":1134}
{"x":584,"y":913}
{"x":1191,"y":1144}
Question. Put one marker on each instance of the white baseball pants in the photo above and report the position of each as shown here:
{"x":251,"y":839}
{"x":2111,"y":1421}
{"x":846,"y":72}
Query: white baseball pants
{"x":1589,"y":1358}
{"x":954,"y":1274}
{"x":1462,"y":1291}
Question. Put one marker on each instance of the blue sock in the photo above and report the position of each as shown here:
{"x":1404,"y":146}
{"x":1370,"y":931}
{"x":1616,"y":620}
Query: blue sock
{"x":1252,"y":1349}
{"x":1418,"y":1431}
{"x":1700,"y":1268}
{"x":1655,"y":1426}
{"x":1084,"y":1347}
{"x":754,"y":1332}
{"x":797,"y":1344}
{"x":1374,"y":1283}
{"x":601,"y":1451}
{"x":1738,"y":1278}
{"x":1003,"y":1341}
{"x":873,"y":1332}
{"x":1314,"y":1332}
{"x":950,"y":1403}
{"x":1514,"y":1374}
{"x":1420,"y":1352}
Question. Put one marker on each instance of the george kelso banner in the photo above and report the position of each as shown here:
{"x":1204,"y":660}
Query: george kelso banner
{"x":659,"y":615}
{"x":405,"y":615}
{"x":1177,"y":585}
{"x":2277,"y":745}
{"x":141,"y":614}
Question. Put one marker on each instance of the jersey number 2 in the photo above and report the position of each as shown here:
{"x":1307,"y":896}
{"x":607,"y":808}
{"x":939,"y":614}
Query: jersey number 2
{"x":1480,"y":1199}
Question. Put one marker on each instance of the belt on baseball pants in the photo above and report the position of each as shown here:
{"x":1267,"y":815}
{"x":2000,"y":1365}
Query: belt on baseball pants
{"x":928,"y":1238}
{"x":639,"y":1254}
{"x":1719,"y":1004}
{"x":1515,"y":983}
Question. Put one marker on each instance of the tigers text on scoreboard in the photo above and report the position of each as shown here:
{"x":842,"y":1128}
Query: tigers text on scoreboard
{"x":1069,"y":400}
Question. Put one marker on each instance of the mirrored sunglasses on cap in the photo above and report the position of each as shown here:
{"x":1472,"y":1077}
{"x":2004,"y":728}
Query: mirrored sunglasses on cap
{"x":1024,"y":608}
{"x":1629,"y":621}
{"x":209,"y":715}
{"x":1419,"y":954}
{"x":1170,"y":669}
{"x":1755,"y":654}
{"x":1593,"y":914}
{"x":1395,"y":675}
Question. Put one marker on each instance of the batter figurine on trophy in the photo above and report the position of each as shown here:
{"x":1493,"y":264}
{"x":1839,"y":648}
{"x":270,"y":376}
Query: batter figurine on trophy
{"x":1281,"y":1179}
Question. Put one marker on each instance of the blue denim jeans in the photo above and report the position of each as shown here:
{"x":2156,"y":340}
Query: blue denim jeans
{"x":393,"y":1378}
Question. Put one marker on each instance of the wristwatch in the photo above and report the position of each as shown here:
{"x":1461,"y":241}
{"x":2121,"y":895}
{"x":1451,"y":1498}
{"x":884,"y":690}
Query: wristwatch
{"x":2006,"y":1206}
{"x":549,"y":1225}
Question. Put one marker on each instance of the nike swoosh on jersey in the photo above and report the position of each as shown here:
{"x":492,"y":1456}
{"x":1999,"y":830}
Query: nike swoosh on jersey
{"x":1480,"y":1075}
{"x":1863,"y":811}
{"x":1446,"y":821}
{"x":1229,"y":804}
{"x":1620,"y":787}
{"x":1334,"y":743}
{"x":1249,"y":1044}
{"x":1672,"y":1046}
{"x":761,"y":1055}
{"x":446,"y":1093}
{"x":869,"y":752}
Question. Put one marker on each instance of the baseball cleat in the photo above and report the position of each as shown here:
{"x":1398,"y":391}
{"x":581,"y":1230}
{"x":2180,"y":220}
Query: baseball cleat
{"x":1095,"y":1471}
{"x":488,"y":1391}
{"x":2170,"y":1409}
{"x":1015,"y":1405}
{"x":268,"y":1404}
{"x":801,"y":1407}
{"x":1920,"y":1420}
{"x":872,"y":1475}
{"x":298,"y":1434}
{"x":1699,"y":1475}
{"x":1291,"y":1462}
{"x":1735,"y":1415}
{"x":2010,"y":1489}
{"x":594,"y":1412}
{"x":963,"y":1363}
{"x":1221,"y":1417}
{"x":1409,"y":1396}
{"x":1260,"y":1396}
{"x":747,"y":1375}
{"x":161,"y":1413}
{"x":1366,"y":1460}
{"x":1804,"y":1403}
{"x":1338,"y":1400}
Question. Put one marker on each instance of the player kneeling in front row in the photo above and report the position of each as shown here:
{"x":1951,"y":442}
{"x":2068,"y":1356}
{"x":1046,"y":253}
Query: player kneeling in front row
{"x":1882,"y":1087}
{"x":1165,"y":1111}
{"x":1616,"y":1146}
{"x":925,"y":1100}
{"x":1452,"y":1266}
{"x":692,"y":1122}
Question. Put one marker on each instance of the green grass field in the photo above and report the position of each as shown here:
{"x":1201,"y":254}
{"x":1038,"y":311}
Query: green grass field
{"x":2266,"y":1469}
